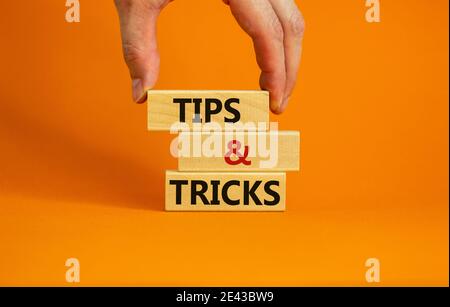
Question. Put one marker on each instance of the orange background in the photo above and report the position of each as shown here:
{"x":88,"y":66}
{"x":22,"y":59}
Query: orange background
{"x":81,"y":177}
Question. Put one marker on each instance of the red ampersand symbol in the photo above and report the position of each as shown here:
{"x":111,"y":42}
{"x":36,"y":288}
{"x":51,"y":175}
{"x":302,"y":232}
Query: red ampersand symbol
{"x":234,"y":147}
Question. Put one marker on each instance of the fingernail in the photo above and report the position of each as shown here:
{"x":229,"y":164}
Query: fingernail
{"x":137,"y":89}
{"x":277,"y":108}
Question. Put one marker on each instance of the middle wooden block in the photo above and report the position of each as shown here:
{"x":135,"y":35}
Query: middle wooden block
{"x":269,"y":151}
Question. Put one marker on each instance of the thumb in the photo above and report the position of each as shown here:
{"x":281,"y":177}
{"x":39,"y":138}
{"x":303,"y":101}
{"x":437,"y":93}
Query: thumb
{"x":139,"y":44}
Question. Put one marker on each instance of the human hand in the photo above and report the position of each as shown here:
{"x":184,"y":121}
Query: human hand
{"x":275,"y":26}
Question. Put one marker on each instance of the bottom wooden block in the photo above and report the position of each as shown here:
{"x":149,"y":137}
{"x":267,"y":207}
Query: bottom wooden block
{"x":225,"y":191}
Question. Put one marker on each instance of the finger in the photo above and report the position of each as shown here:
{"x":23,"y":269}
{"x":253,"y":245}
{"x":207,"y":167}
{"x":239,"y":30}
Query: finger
{"x":258,"y":19}
{"x":293,"y":28}
{"x":139,"y":44}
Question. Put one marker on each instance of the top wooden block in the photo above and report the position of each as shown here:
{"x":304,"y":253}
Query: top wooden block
{"x":166,"y":108}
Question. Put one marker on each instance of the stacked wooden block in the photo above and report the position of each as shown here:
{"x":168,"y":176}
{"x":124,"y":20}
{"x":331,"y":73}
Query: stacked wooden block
{"x":241,"y":167}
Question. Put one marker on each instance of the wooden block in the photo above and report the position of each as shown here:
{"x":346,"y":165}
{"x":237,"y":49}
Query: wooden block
{"x":168,"y":107}
{"x":266,"y":151}
{"x":191,"y":191}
